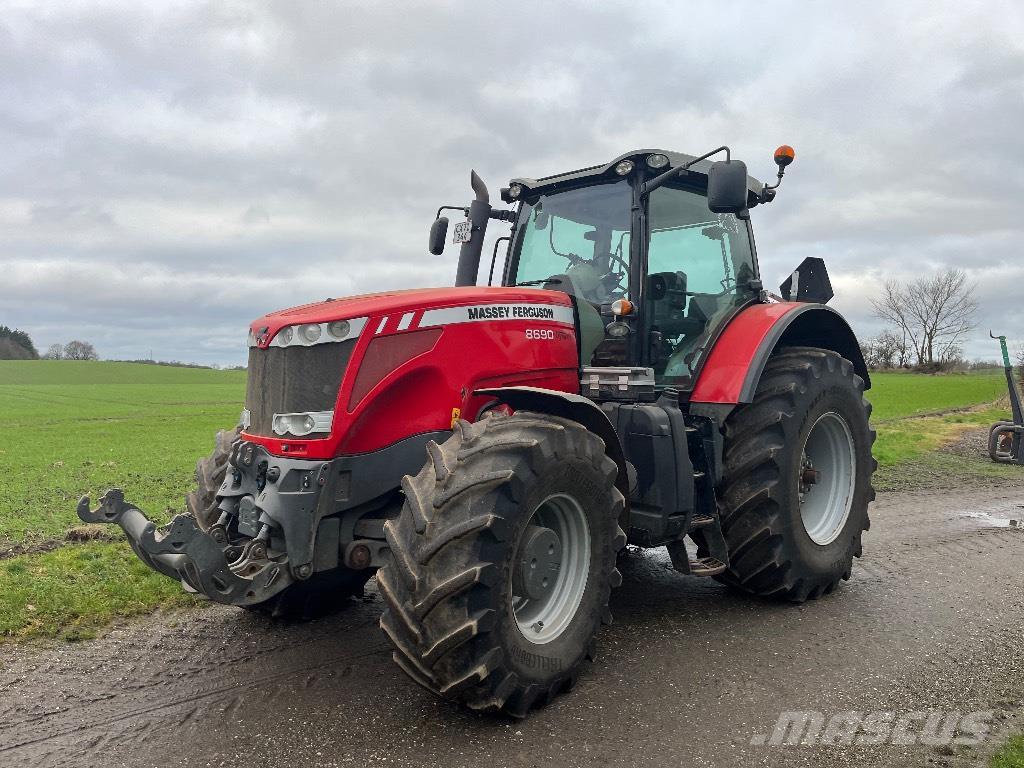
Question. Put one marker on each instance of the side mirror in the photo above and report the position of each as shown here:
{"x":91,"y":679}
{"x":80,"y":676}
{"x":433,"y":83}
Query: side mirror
{"x":438,"y":234}
{"x":727,"y":186}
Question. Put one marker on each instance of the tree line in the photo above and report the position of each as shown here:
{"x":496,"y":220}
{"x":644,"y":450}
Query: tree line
{"x":73,"y":350}
{"x":17,"y":345}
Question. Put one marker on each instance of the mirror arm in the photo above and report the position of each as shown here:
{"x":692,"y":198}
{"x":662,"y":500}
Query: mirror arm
{"x":649,"y":186}
{"x":465,"y":210}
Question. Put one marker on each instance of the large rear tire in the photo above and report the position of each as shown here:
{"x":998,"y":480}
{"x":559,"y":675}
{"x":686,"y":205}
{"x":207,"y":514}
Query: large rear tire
{"x":503,"y":560}
{"x":319,"y":595}
{"x":797,"y":477}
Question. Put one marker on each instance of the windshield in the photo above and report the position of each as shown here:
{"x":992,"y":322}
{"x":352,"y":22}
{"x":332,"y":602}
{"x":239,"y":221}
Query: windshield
{"x":579,"y":235}
{"x":699,"y":266}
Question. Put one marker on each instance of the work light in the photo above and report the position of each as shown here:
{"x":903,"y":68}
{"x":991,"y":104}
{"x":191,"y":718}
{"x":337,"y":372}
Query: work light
{"x":301,"y":424}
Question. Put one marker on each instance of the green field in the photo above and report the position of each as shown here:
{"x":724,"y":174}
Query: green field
{"x":897,"y":395}
{"x":73,"y":428}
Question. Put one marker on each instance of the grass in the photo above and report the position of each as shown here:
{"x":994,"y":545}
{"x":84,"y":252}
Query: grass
{"x":1010,"y":755}
{"x":73,"y":592}
{"x":903,"y":439}
{"x":80,"y":427}
{"x":898,"y":395}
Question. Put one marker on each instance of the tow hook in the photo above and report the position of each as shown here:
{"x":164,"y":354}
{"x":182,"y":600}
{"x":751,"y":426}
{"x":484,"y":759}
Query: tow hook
{"x":183,"y":551}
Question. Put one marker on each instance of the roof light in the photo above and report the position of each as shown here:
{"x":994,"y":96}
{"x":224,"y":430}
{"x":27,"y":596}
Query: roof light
{"x":784,"y":155}
{"x":286,"y":335}
{"x":310,"y":332}
{"x":624,"y":168}
{"x":657,"y":160}
{"x":515,"y":190}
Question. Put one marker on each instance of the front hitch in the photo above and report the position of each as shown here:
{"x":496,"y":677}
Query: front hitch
{"x":184,"y":552}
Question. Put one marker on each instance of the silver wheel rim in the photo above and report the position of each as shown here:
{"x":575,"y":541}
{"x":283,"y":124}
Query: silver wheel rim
{"x":565,"y":564}
{"x":826,"y":478}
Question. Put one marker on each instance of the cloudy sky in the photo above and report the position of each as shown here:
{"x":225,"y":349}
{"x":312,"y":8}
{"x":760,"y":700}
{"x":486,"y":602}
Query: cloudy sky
{"x":169,"y":172}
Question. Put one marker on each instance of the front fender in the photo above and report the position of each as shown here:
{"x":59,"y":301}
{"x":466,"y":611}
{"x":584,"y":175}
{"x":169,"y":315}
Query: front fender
{"x":733,"y":369}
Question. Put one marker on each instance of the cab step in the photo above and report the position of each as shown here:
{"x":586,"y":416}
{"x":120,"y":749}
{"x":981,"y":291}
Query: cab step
{"x":702,"y":521}
{"x":693,"y":565}
{"x":706,"y":566}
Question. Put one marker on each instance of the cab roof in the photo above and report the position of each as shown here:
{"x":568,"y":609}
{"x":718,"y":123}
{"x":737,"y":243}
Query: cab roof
{"x":545,"y":184}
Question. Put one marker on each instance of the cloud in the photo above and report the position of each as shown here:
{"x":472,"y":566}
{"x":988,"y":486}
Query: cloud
{"x":171,"y":172}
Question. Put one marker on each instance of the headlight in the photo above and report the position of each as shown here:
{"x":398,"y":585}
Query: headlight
{"x":338,"y":329}
{"x":310,"y":332}
{"x":245,"y":419}
{"x":624,"y":168}
{"x":300,"y":424}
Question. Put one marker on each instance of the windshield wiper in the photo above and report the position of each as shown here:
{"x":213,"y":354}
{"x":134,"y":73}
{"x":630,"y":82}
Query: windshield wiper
{"x":554,"y":280}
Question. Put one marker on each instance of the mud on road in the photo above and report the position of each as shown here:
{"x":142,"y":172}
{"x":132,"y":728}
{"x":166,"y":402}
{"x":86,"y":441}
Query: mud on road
{"x":689,"y":674}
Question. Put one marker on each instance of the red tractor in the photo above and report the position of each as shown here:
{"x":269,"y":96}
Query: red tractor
{"x":488,"y":452}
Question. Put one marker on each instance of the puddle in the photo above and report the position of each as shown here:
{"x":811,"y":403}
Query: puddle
{"x":1001,"y":515}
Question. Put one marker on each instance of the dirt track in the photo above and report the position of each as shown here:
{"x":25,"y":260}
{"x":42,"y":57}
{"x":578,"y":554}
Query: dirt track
{"x":688,"y":674}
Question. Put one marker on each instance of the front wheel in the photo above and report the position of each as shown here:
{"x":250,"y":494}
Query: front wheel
{"x":503,"y":559}
{"x":797,"y":481}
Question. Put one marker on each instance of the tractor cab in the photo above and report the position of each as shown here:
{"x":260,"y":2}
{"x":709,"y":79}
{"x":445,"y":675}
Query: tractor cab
{"x":658,"y":267}
{"x":655,"y":248}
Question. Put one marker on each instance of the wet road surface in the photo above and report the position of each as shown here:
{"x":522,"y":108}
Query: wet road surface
{"x":689,"y":674}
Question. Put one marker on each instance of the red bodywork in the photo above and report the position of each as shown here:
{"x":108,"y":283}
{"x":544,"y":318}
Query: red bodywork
{"x":421,"y":374}
{"x":423,"y":393}
{"x":725,"y":371}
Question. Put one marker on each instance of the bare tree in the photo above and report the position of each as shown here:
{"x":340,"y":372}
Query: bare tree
{"x":54,"y":352}
{"x":80,"y":350}
{"x":1020,"y":356}
{"x":934,"y":314}
{"x":886,"y":350}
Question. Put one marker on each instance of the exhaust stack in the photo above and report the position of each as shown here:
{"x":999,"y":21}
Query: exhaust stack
{"x":479,"y":213}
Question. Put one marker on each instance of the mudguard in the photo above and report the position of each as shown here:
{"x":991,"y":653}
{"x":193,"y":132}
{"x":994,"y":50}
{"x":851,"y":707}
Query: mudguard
{"x":733,"y":369}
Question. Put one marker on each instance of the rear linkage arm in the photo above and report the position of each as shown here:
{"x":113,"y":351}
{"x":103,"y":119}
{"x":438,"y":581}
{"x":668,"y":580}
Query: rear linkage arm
{"x":183,"y":551}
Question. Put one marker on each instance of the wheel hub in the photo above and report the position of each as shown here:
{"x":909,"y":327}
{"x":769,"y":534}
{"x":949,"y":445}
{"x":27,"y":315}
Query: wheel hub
{"x":826,"y":478}
{"x":550,"y":569}
{"x":540,"y":557}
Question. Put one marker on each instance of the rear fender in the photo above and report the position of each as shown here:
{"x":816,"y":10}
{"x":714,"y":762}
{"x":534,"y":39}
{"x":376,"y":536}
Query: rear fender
{"x":569,"y":406}
{"x":734,"y":367}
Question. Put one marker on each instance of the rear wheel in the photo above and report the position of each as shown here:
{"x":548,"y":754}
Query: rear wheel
{"x":322,"y":593}
{"x":797,"y":482}
{"x":503,"y":559}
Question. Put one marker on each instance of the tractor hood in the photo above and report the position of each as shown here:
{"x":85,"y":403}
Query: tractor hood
{"x":396,"y":303}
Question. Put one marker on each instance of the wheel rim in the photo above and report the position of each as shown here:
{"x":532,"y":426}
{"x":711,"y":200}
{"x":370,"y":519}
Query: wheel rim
{"x":551,"y":568}
{"x":826,"y":478}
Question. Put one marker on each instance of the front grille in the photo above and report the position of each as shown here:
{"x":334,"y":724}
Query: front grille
{"x":293,"y":380}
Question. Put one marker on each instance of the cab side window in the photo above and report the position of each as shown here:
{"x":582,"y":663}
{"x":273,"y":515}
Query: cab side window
{"x":699,"y":265}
